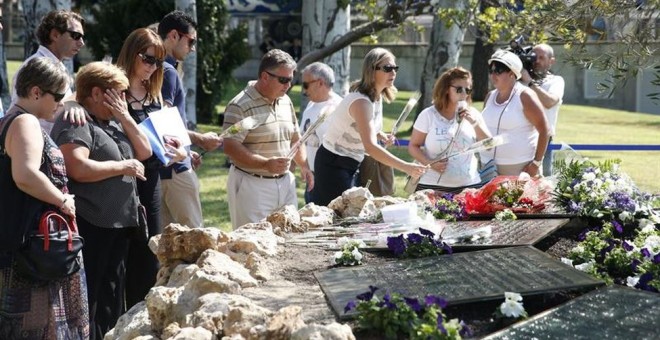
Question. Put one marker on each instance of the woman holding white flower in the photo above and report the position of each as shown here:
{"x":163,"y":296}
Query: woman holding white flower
{"x":449,"y":125}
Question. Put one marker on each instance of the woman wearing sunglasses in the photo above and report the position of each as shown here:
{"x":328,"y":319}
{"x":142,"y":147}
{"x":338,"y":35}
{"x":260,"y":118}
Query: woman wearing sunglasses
{"x":141,"y":57}
{"x":515,"y":110}
{"x":447,"y":127}
{"x":353,"y":130}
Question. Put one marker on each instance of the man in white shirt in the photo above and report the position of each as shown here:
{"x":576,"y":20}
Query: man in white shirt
{"x":550,"y":90}
{"x":61,"y":36}
{"x":318,"y":79}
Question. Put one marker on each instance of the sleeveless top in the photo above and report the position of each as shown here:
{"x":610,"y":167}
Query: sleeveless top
{"x":343,"y":137}
{"x":510,"y":119}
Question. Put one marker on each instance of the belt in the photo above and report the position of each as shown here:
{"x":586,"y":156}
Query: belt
{"x":260,"y":176}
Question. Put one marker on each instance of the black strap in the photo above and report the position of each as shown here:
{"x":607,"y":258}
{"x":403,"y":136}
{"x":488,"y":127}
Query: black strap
{"x":4,"y":131}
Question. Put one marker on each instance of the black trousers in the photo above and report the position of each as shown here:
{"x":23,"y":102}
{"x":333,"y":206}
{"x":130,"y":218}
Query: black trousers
{"x":142,"y":265}
{"x":104,"y":254}
{"x":333,"y":174}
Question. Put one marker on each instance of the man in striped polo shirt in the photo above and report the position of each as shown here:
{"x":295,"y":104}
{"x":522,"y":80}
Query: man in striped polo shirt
{"x":259,"y":179}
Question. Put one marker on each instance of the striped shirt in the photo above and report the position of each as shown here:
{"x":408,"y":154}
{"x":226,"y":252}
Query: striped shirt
{"x":273,"y":137}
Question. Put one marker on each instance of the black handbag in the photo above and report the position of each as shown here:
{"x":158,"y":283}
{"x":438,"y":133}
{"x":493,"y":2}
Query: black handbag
{"x":52,"y":251}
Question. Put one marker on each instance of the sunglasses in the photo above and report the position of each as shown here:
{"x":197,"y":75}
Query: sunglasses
{"x":75,"y":35}
{"x":57,"y":96}
{"x":150,"y":60}
{"x":497,"y":69}
{"x":281,"y":80}
{"x":387,"y":68}
{"x":305,"y":84}
{"x":191,"y":41}
{"x":460,"y":89}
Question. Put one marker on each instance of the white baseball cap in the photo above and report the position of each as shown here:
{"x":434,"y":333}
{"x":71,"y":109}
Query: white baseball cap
{"x":509,"y":59}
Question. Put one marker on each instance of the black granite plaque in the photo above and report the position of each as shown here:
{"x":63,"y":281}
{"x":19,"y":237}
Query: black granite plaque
{"x":524,"y":216}
{"x":459,"y":278}
{"x":609,"y":313}
{"x":473,"y":234}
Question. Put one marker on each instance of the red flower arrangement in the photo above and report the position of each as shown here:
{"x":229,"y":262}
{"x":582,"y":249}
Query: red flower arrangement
{"x":519,"y":194}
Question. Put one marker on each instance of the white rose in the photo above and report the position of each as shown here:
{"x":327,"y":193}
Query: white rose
{"x":356,"y":255}
{"x":512,"y":308}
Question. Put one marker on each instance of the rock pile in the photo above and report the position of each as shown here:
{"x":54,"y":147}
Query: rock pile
{"x":198,"y":291}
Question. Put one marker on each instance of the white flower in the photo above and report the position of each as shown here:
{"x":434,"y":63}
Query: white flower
{"x":586,"y":267}
{"x":625,"y":216}
{"x":646,"y":225}
{"x":343,"y":241}
{"x":361,"y":244}
{"x":567,"y":261}
{"x":589,"y":176}
{"x":579,"y":249}
{"x":356,"y":255}
{"x":512,"y":308}
{"x":631,"y":281}
{"x":512,"y":296}
{"x":338,"y":255}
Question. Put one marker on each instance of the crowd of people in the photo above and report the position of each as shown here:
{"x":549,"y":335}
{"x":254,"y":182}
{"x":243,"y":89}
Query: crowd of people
{"x":84,"y":154}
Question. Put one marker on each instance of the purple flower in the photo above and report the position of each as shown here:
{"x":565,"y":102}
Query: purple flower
{"x":643,"y":282}
{"x":413,"y":304}
{"x":573,"y":207}
{"x":435,"y":300}
{"x":441,"y":327}
{"x":397,"y":244}
{"x":656,"y":259}
{"x":645,"y":252}
{"x":367,"y":296}
{"x":350,"y":306}
{"x":426,"y":232}
{"x":627,"y":246}
{"x":415,"y":238}
{"x":634,"y":263}
{"x":617,"y":226}
{"x":387,"y":301}
{"x":465,"y":330}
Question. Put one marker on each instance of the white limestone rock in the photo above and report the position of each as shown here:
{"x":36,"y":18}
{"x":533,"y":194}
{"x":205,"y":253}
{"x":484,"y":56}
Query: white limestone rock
{"x":285,"y":321}
{"x":314,"y":216}
{"x":217,"y":263}
{"x":333,"y":331}
{"x":134,"y":324}
{"x":180,"y":243}
{"x":286,"y":220}
{"x":252,"y":237}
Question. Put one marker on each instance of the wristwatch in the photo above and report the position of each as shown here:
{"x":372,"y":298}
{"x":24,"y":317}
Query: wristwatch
{"x":537,"y":163}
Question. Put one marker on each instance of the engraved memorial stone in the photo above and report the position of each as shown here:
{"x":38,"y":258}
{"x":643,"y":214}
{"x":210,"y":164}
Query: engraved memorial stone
{"x":493,"y":234}
{"x":610,"y":313}
{"x":459,"y":278}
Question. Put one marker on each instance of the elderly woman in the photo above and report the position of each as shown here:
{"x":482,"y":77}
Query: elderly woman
{"x":515,"y":110}
{"x":37,"y":310}
{"x":445,"y":128}
{"x":352,"y":130}
{"x":103,"y":159}
{"x":141,"y":57}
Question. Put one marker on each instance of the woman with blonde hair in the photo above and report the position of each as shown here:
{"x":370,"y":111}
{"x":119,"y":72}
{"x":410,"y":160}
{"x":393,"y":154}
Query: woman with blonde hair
{"x":450,"y":125}
{"x":103,"y":159}
{"x":141,"y":57}
{"x":353,"y":130}
{"x":37,"y":309}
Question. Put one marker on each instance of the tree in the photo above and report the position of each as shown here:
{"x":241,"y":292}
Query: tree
{"x":33,"y":11}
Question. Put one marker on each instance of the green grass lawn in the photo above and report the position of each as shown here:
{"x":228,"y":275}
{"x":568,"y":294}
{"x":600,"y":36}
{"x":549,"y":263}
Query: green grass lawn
{"x":577,"y":125}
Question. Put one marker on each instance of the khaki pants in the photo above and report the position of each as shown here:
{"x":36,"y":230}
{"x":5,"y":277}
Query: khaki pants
{"x":381,"y":176}
{"x":181,"y":201}
{"x":252,"y":199}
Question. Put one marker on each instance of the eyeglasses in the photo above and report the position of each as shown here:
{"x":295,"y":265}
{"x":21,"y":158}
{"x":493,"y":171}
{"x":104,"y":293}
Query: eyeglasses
{"x":281,"y":80}
{"x":56,"y":96}
{"x":387,"y":68}
{"x":150,"y":60}
{"x":460,"y":89}
{"x":75,"y":35}
{"x":306,"y":84}
{"x":497,"y":69}
{"x":191,"y":41}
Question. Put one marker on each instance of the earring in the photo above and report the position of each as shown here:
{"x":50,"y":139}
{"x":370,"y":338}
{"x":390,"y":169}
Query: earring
{"x":37,"y":98}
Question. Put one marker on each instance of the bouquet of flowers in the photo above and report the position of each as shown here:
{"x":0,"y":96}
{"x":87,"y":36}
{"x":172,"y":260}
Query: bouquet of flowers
{"x":599,"y":190}
{"x":448,"y":209}
{"x":518,"y":194}
{"x":349,"y":253}
{"x":419,"y":245}
{"x":399,"y":316}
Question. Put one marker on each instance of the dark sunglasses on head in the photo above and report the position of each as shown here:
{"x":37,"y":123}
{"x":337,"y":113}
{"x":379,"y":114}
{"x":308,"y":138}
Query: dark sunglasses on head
{"x":151,"y":60}
{"x":306,"y":84}
{"x":75,"y":35}
{"x":57,"y":96}
{"x":191,"y":41}
{"x":460,"y":89}
{"x":281,"y":80}
{"x":387,"y":68}
{"x":497,"y":68}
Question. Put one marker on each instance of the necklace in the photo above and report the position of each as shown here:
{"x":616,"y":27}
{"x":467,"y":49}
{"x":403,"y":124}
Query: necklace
{"x":22,"y":108}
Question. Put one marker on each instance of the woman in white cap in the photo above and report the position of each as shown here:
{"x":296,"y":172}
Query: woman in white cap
{"x":515,"y":110}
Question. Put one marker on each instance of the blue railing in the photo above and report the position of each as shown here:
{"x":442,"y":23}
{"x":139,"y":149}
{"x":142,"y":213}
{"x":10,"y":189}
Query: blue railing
{"x":587,"y":147}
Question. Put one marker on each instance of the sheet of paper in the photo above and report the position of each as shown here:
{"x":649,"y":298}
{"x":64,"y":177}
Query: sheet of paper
{"x":156,"y":143}
{"x":167,"y":122}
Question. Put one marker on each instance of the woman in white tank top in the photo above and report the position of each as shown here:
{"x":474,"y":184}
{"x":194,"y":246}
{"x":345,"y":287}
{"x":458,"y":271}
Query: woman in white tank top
{"x":515,"y":110}
{"x":352,"y":130}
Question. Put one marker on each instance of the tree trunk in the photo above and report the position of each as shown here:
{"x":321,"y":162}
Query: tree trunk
{"x":324,"y":22}
{"x":190,"y":68}
{"x":444,"y":49}
{"x":34,"y":11}
{"x":480,"y":69}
